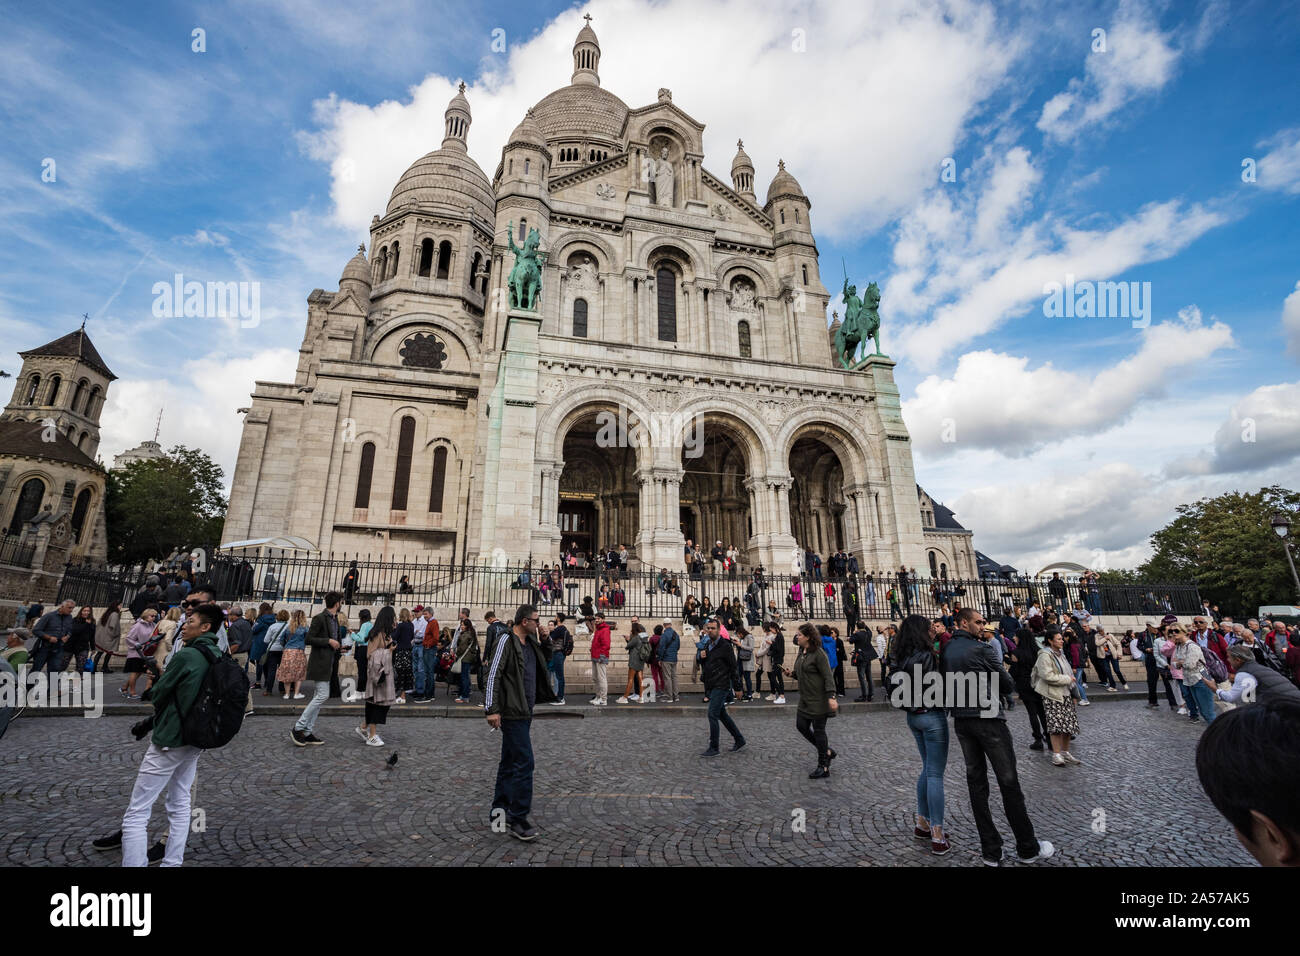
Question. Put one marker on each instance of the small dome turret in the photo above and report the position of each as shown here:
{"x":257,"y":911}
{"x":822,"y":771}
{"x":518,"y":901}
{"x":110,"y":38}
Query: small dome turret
{"x":357,"y":271}
{"x":742,"y":172}
{"x":586,"y":56}
{"x":456,"y":121}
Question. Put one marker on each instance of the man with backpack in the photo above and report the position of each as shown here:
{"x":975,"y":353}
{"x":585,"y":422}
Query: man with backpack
{"x":170,"y":763}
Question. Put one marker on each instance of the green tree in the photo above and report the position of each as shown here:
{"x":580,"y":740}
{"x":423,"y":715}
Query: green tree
{"x":1227,"y":547}
{"x":154,"y":506}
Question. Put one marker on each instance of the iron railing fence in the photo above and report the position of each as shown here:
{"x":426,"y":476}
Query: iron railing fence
{"x":14,"y":553}
{"x":287,"y":577}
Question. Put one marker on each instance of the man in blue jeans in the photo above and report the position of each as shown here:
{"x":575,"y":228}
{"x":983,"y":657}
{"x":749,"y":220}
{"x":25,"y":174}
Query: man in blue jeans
{"x":985,"y":739}
{"x":719,"y":662}
{"x":517,"y":681}
{"x":561,"y":647}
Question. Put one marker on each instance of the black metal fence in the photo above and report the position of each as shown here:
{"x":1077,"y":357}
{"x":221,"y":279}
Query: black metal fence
{"x":284,"y":577}
{"x":14,"y":553}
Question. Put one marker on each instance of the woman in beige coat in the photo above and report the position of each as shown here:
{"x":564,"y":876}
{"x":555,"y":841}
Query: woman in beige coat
{"x":381,"y":691}
{"x":1053,"y":679}
{"x":166,"y":634}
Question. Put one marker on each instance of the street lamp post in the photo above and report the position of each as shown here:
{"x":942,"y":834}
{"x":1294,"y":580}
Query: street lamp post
{"x":1282,"y":525}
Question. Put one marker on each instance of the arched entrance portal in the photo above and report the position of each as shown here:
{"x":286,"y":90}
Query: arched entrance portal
{"x":714,"y":500}
{"x":598,"y":491}
{"x":816,"y":497}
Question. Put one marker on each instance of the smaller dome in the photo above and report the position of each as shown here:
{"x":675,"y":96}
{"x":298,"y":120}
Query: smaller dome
{"x":587,"y":35}
{"x":528,"y":132}
{"x":742,"y":160}
{"x":357,"y":269}
{"x":458,"y":102}
{"x":783,"y":184}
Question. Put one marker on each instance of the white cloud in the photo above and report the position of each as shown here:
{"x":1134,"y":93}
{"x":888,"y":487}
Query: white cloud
{"x":997,"y":401}
{"x":1279,"y":168}
{"x":936,"y":60}
{"x":1138,"y":59}
{"x":1262,"y":430}
{"x":198,"y":409}
{"x":1291,"y":321}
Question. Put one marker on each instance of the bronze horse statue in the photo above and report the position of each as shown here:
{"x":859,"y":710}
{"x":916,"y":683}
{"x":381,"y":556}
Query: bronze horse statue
{"x":861,"y":322}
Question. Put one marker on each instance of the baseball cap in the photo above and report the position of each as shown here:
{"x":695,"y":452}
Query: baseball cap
{"x":418,"y":608}
{"x":668,"y":620}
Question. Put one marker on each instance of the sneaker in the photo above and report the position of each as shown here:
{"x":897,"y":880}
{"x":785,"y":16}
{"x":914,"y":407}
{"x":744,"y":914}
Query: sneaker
{"x":1083,"y":703}
{"x":522,"y":831}
{"x":400,"y":700}
{"x":1182,"y":711}
{"x":312,"y":740}
{"x":603,"y":702}
{"x":109,"y":842}
{"x":1036,"y":745}
{"x":1071,"y":758}
{"x":1153,"y":706}
{"x":299,"y":737}
{"x":821,"y":771}
{"x":987,"y":862}
{"x":286,"y":695}
{"x":921,"y":834}
{"x":940,"y":847}
{"x":554,"y":703}
{"x":711,"y":752}
{"x":465,"y":700}
{"x":362,"y":733}
{"x":1045,"y":849}
{"x":1194,"y":719}
{"x":779,"y":700}
{"x":156,"y":852}
{"x":1058,"y":760}
{"x":737,"y":747}
{"x":1113,"y":690}
{"x":621,"y":700}
{"x":635,"y":698}
{"x":375,"y":741}
{"x":299,"y":696}
{"x":1126,"y":686}
{"x":770,"y":697}
{"x":595,"y":700}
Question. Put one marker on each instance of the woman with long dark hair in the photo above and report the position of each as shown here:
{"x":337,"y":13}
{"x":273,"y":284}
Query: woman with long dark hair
{"x":913,"y":657}
{"x":812,"y":669}
{"x":1022,"y":670}
{"x":108,"y":634}
{"x":402,"y":633}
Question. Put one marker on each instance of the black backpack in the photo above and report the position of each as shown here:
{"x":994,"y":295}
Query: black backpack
{"x":218,"y":711}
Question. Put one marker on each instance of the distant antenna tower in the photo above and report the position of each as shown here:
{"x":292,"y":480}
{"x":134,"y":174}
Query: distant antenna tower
{"x":158,"y":428}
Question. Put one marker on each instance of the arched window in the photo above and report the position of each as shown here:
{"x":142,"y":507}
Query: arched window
{"x":92,"y":403}
{"x":33,"y":386}
{"x":81,"y":442}
{"x":523,"y":229}
{"x":527,"y":163}
{"x":29,"y":502}
{"x":55,"y":382}
{"x":934,"y":566}
{"x":426,"y":257}
{"x":392,"y":263}
{"x":943,"y":571}
{"x":666,"y":287}
{"x":402,"y":477}
{"x":76,"y":396}
{"x":381,"y":265}
{"x":783,"y":217}
{"x":742,"y":330}
{"x":364,"y":474}
{"x":805,"y":274}
{"x":444,"y":259}
{"x":580,"y":318}
{"x":79,"y":514}
{"x":796,"y":216}
{"x":473,"y":270}
{"x":439,"y":479}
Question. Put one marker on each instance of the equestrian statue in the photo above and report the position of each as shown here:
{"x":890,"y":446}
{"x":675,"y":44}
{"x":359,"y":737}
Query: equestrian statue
{"x":861,"y":322}
{"x":525,"y":281}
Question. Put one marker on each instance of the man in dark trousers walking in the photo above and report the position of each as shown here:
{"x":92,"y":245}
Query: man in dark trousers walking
{"x":517,"y":681}
{"x":985,"y":739}
{"x":719,"y":661}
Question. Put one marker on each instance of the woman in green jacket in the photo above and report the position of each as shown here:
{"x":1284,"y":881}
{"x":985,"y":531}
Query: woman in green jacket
{"x":812,"y":669}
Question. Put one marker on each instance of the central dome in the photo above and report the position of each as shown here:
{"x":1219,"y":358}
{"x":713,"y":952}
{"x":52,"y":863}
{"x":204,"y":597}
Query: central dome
{"x":446,"y":178}
{"x":580,"y":110}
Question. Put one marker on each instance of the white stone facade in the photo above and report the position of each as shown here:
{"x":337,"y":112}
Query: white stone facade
{"x":669,"y":296}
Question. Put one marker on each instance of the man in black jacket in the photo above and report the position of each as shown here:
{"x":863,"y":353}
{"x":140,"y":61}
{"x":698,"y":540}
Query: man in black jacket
{"x":517,"y":681}
{"x":985,"y":739}
{"x":719,"y":661}
{"x":864,"y":653}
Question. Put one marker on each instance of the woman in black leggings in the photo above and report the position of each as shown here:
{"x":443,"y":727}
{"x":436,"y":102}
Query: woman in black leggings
{"x":817,"y":703}
{"x":776,"y":658}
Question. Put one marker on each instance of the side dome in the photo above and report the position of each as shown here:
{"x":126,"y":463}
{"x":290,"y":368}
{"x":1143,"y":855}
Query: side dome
{"x":528,"y":132}
{"x":783,"y":184}
{"x":357,"y":269}
{"x":578,"y":110}
{"x":447,"y":179}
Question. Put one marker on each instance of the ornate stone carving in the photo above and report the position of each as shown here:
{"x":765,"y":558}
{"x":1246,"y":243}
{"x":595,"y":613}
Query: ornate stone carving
{"x":605,"y":191}
{"x":551,"y":390}
{"x":583,"y":275}
{"x":742,"y":297}
{"x":662,"y":399}
{"x":663,"y":179}
{"x":720,"y":211}
{"x":774,"y":413}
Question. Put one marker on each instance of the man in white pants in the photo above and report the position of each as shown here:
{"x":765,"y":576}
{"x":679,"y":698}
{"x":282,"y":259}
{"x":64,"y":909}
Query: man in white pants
{"x":169,"y":764}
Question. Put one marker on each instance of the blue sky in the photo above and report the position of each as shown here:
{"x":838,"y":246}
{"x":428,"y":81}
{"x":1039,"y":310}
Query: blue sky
{"x":262,"y":157}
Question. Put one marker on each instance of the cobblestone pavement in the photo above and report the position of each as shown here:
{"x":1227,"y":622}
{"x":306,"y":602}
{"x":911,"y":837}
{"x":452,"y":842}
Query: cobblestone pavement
{"x":625,"y":792}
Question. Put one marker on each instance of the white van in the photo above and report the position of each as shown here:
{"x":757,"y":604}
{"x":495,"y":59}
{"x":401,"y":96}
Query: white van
{"x":1287,"y":613}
